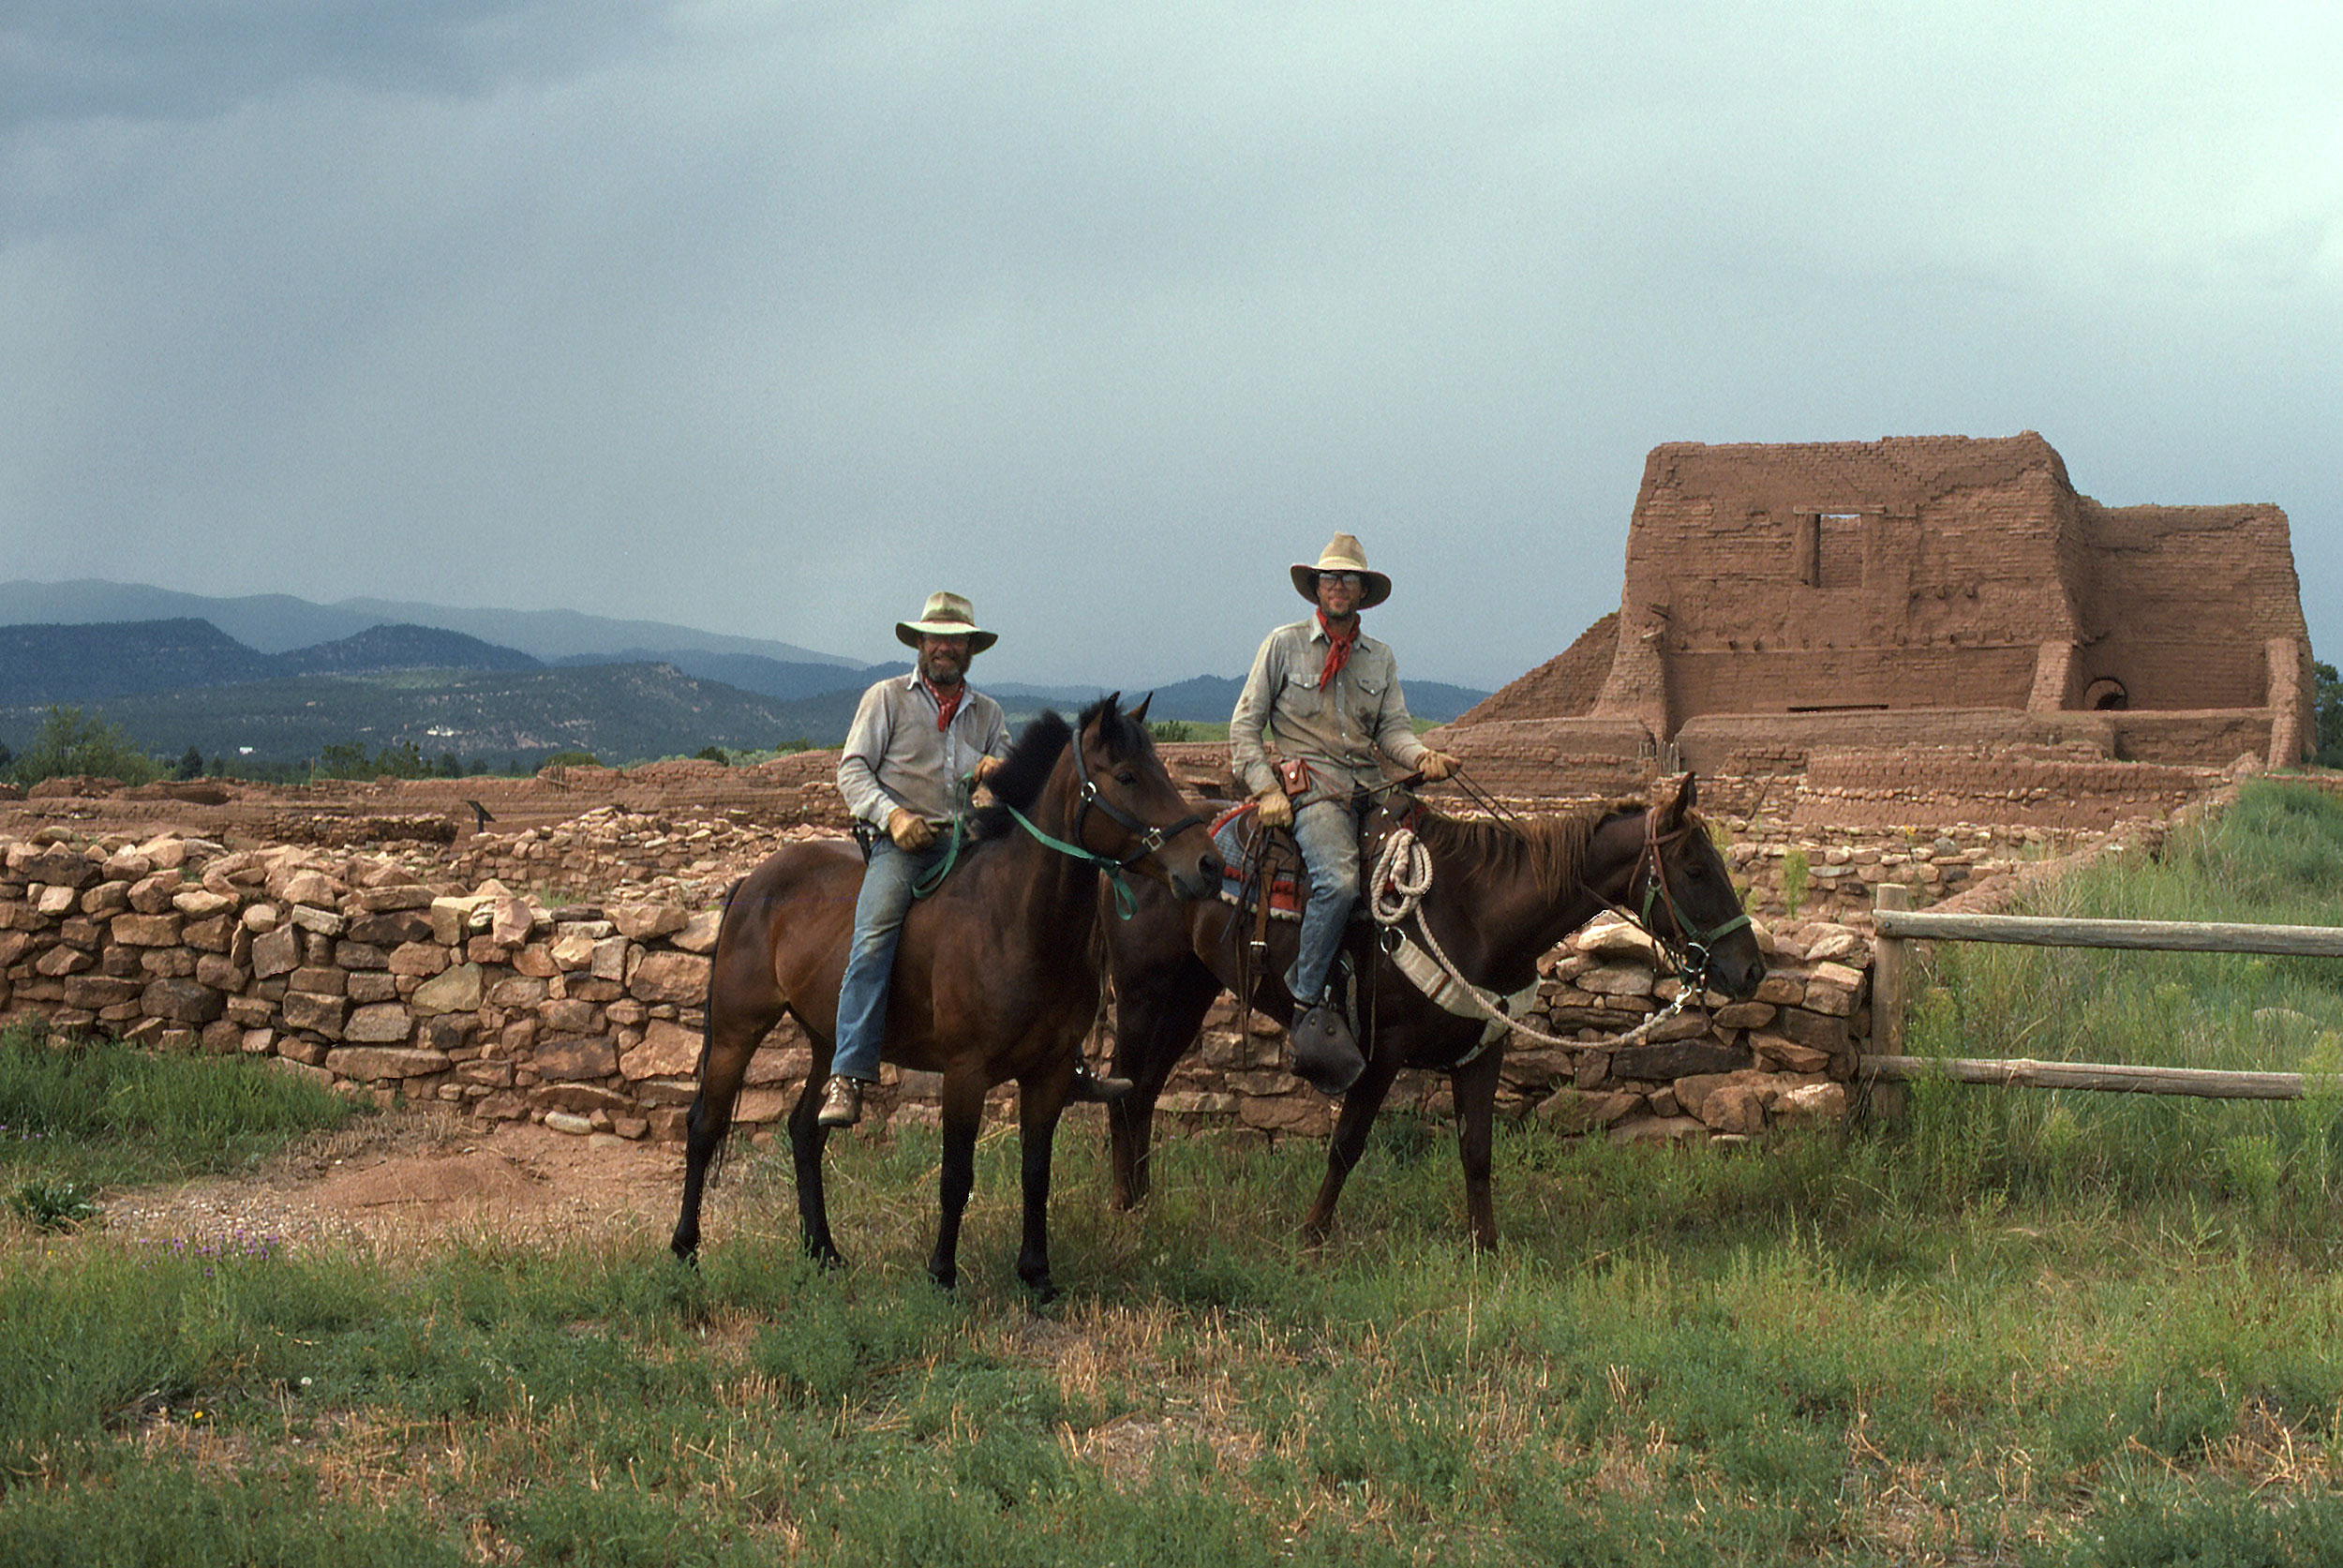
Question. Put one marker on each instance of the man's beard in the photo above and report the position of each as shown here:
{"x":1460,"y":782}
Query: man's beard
{"x":947,"y":678}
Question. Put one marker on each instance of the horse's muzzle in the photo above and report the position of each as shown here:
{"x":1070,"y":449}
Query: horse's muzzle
{"x":1202,"y":881}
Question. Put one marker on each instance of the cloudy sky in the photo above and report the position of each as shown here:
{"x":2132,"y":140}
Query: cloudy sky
{"x":766,"y":316}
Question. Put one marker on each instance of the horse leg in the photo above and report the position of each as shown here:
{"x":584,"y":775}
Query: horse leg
{"x":963,"y":1109}
{"x":1156,"y":1021}
{"x":736,"y":1025}
{"x":807,"y":1139}
{"x":1360,"y":1104}
{"x":1474,"y":1088}
{"x":1038,"y":1107}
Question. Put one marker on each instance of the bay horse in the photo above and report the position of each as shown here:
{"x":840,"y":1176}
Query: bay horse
{"x":1502,"y":894}
{"x":994,"y":978}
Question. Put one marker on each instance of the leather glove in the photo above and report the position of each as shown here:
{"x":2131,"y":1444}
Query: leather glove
{"x":1436,"y":766}
{"x":909,"y":830}
{"x":986,"y":767}
{"x":1277,"y":810}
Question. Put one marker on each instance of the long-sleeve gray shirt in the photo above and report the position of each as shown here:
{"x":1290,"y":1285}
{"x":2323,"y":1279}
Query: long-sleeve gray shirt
{"x":896,"y":757}
{"x":1339,"y":730}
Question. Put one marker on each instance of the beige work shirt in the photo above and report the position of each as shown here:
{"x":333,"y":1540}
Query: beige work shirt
{"x":1338,"y":730}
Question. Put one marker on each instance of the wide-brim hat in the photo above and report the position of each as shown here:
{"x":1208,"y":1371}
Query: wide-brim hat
{"x":946,"y":615}
{"x":1342,"y":554}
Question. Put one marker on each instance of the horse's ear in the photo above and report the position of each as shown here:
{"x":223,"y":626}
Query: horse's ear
{"x":1671,"y":797}
{"x":1138,"y":715}
{"x":1112,"y":705}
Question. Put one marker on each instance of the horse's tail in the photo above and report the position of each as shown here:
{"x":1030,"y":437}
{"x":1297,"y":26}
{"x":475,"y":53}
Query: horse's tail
{"x":708,"y":1036}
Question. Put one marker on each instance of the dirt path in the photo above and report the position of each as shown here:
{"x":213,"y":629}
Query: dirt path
{"x":416,"y":1176}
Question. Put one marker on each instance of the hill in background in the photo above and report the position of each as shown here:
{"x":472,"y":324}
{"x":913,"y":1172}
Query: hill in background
{"x":176,"y":683}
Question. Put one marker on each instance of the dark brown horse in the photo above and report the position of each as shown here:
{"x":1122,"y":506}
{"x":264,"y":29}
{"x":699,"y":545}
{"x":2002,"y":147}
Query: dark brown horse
{"x":1502,"y":894}
{"x":994,"y":978}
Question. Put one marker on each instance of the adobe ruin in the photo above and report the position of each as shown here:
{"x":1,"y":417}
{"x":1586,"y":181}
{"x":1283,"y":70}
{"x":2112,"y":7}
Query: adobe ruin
{"x":1786,"y":603}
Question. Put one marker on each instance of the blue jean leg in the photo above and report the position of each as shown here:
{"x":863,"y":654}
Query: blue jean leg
{"x":878,"y":921}
{"x":1329,"y":837}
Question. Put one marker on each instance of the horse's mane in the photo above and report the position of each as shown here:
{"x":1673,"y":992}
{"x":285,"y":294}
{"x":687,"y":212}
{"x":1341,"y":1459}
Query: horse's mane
{"x":1034,"y":755}
{"x":1553,"y":848}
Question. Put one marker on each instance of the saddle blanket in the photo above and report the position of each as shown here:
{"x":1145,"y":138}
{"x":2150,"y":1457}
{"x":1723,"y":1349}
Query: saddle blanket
{"x":1231,"y":835}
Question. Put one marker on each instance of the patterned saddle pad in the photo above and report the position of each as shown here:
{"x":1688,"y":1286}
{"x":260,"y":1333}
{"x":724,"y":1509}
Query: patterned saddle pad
{"x":1233,"y":833}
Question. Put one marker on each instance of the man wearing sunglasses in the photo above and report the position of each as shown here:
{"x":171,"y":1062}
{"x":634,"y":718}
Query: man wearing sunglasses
{"x":1330,"y":695}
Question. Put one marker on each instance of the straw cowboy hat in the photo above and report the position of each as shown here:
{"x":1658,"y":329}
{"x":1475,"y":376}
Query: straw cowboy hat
{"x":946,"y":615}
{"x":1343,"y":555}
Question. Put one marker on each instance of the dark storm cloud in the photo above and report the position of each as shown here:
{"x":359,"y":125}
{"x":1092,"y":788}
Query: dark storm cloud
{"x":151,"y":59}
{"x":770,"y":317}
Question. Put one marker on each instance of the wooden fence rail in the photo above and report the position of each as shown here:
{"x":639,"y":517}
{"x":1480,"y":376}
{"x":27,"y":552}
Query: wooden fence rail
{"x":1897,"y":926}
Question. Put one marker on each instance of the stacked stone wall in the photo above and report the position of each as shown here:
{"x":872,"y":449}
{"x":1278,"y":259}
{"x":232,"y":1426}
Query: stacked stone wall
{"x":371,"y":974}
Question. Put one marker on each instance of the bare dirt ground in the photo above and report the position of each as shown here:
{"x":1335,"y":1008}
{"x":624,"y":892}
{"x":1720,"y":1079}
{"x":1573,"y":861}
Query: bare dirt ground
{"x":406,"y":1176}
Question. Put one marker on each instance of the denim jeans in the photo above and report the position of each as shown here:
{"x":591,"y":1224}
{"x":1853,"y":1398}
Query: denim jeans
{"x":878,"y":921}
{"x":1328,"y":832}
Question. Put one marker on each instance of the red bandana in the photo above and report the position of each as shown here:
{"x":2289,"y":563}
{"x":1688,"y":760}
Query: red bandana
{"x":946,"y":705}
{"x":1338,"y":650}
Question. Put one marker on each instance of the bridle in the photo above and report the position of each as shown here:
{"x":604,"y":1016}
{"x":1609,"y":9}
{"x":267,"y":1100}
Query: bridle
{"x":1149,"y":837}
{"x":1691,"y":948}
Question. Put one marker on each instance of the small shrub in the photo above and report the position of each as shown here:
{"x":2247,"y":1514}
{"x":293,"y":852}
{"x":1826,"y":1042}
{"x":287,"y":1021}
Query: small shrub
{"x":1795,"y":872}
{"x":569,"y":759}
{"x":52,"y":1205}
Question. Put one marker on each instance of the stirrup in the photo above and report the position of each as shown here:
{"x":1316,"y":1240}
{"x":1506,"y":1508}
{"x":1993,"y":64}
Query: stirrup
{"x":1091,"y":1088}
{"x":1325,"y":1054}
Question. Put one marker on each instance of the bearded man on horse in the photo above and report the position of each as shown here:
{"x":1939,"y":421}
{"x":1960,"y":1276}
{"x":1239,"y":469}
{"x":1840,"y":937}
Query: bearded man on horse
{"x":1331,"y":695}
{"x":919,"y":747}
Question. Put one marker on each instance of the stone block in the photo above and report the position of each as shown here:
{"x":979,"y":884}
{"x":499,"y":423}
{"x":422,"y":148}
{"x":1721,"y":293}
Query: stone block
{"x":669,"y":977}
{"x":457,"y":990}
{"x":305,"y":1009}
{"x":1779,"y":1051}
{"x":106,"y":898}
{"x":96,"y":991}
{"x":576,"y":1056}
{"x":181,"y":1001}
{"x":360,"y":955}
{"x":220,"y":972}
{"x":647,"y":922}
{"x":379,"y":1023}
{"x":325,"y":922}
{"x":394,"y":896}
{"x":218,"y":935}
{"x":1575,"y":1111}
{"x":146,"y":931}
{"x":372,"y":985}
{"x":567,"y":1016}
{"x":668,"y":1050}
{"x":321,"y":980}
{"x":580,"y":1098}
{"x":275,"y":952}
{"x":201,"y":903}
{"x":699,"y":935}
{"x":376,"y":1064}
{"x":418,"y":959}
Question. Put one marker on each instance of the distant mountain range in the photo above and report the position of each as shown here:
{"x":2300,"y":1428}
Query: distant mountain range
{"x":182,"y":680}
{"x":278,"y":622}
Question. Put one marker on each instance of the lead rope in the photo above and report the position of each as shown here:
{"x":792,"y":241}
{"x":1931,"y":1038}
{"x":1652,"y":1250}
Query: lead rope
{"x":1403,"y":874}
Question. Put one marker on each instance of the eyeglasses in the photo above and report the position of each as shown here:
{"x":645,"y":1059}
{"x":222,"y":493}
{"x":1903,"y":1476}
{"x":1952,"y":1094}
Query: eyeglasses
{"x":1341,"y":580}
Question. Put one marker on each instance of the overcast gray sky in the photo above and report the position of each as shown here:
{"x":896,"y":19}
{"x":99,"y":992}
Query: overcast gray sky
{"x":767,"y":317}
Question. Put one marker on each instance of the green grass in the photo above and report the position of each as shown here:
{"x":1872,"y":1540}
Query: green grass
{"x":2015,"y":1328}
{"x":86,"y":1112}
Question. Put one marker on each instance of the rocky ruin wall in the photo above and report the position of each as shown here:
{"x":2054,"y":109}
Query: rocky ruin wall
{"x":367,"y":973}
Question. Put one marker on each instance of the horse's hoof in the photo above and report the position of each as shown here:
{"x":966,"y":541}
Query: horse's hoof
{"x":947,"y":1282}
{"x":1042,"y":1290}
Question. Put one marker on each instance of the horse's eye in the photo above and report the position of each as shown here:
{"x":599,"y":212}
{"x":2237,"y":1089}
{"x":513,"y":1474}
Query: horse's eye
{"x":1126,"y":776}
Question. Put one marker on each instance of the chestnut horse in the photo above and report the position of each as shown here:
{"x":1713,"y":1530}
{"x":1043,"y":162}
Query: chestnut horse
{"x":995,"y":977}
{"x":1502,"y":894}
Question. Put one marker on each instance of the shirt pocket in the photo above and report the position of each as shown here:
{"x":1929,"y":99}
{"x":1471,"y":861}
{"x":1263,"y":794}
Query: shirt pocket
{"x":1301,"y":698}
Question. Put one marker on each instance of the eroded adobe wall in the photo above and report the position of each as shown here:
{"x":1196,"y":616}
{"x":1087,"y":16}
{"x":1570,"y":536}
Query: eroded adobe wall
{"x":1923,"y":572}
{"x":2181,"y":601}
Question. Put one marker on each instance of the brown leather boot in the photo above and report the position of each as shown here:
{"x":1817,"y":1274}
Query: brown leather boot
{"x":841,"y":1103}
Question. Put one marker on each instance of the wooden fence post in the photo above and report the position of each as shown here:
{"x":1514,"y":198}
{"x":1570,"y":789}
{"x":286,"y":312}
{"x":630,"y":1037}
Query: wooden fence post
{"x":1890,"y":974}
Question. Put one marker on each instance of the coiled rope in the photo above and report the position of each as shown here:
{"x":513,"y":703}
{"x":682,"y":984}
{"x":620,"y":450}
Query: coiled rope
{"x":1403,"y":874}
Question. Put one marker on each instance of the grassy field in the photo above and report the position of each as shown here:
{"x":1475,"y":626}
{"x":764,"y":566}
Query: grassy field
{"x":2011,"y":1327}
